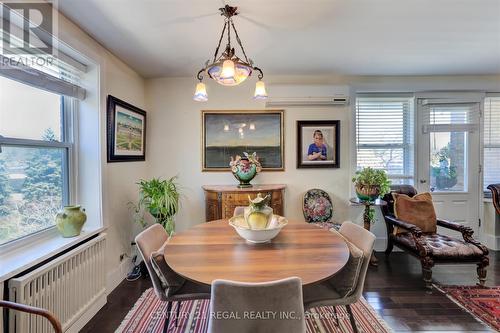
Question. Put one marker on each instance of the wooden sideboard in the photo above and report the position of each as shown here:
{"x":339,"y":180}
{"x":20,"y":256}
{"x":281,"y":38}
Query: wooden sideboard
{"x":220,"y":200}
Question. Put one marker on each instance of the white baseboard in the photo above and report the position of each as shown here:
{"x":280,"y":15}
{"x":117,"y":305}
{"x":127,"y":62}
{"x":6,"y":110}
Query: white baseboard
{"x":116,"y":276}
{"x":492,"y":242}
{"x":380,"y":244}
{"x":87,"y":315}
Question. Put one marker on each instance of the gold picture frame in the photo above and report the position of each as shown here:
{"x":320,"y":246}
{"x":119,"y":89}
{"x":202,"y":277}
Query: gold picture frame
{"x":227,"y":133}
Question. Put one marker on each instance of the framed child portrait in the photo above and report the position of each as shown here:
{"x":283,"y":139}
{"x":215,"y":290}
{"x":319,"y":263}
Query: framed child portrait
{"x":318,"y":144}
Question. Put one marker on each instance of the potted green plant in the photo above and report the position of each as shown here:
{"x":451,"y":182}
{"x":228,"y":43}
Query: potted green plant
{"x":371,"y":184}
{"x":160,"y":198}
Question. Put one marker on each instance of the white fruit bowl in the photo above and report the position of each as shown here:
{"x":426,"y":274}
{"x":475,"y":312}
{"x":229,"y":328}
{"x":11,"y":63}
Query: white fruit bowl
{"x":258,"y":235}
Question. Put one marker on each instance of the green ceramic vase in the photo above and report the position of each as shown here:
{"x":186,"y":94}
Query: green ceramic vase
{"x":245,"y":172}
{"x":70,"y":220}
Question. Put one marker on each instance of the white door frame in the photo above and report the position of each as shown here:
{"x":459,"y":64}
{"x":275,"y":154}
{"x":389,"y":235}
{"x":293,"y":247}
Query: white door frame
{"x":463,"y":207}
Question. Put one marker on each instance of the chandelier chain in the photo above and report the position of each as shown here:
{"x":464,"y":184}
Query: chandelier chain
{"x":239,"y":42}
{"x":229,"y":34}
{"x":220,"y":40}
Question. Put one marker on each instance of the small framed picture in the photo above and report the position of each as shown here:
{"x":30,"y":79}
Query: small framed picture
{"x":126,"y":127}
{"x":318,"y":143}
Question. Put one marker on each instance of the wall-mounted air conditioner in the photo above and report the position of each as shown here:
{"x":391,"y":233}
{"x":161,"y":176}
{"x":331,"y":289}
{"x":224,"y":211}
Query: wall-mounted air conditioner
{"x":291,"y":95}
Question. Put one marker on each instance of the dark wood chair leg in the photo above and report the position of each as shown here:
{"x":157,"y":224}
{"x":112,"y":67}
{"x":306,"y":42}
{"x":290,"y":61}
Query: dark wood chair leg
{"x":167,"y":318}
{"x":351,"y":318}
{"x":481,"y":270}
{"x":390,"y":246}
{"x":427,"y":265}
{"x":177,"y":314}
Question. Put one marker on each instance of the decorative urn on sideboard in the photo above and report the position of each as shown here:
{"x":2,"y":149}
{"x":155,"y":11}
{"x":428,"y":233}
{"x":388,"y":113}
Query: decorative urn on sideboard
{"x":70,"y":220}
{"x":245,"y":168}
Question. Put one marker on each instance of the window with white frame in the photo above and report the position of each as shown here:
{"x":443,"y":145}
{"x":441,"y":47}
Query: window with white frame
{"x":491,"y":165}
{"x":35,"y":156}
{"x":385,"y":135}
{"x":38,"y":99}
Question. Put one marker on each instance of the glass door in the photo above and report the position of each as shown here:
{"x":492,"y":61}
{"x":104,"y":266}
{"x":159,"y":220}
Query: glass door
{"x":448,"y":157}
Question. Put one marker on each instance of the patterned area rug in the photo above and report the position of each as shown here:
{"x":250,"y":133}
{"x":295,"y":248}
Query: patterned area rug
{"x":148,"y":315}
{"x":482,"y":302}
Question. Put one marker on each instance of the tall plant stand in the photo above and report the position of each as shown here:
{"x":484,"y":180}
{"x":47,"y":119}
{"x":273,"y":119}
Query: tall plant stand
{"x":367,"y":218}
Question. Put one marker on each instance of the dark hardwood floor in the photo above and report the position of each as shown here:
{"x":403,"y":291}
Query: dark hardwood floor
{"x":394,"y":288}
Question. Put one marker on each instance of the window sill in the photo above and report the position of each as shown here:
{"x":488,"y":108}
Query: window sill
{"x":15,"y":260}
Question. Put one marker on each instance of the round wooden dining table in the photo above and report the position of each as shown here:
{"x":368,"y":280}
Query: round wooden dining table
{"x":214,"y":250}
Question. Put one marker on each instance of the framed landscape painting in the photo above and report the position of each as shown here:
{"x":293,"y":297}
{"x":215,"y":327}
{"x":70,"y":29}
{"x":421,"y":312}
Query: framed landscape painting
{"x":230,"y":133}
{"x":126,"y":126}
{"x":318,"y":143}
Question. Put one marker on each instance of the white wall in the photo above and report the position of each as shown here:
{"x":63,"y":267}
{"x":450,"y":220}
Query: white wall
{"x":117,"y":180}
{"x":174,"y":142}
{"x":175,"y":147}
{"x":175,"y":132}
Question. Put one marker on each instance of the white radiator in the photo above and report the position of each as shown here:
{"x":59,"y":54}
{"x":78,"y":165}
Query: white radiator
{"x":69,"y":286}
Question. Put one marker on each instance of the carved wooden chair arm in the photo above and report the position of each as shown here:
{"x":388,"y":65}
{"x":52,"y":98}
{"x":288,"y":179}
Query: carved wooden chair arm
{"x":34,"y":310}
{"x":467,"y":233}
{"x":423,"y":249}
{"x":455,"y":226}
{"x":416,"y":231}
{"x":495,"y":191}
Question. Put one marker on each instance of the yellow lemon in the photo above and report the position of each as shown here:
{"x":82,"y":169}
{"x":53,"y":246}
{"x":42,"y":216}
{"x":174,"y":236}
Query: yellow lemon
{"x":257,"y":220}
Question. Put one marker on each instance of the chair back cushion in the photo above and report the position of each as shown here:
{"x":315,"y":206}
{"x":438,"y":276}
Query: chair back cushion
{"x":418,"y":210}
{"x":171,"y":282}
{"x":400,"y":189}
{"x":274,"y":306}
{"x":363,"y":240}
{"x":148,"y":242}
{"x":317,"y":206}
{"x":344,"y":282}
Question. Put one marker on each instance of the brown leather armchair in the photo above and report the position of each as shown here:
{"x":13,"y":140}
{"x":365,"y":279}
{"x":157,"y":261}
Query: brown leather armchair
{"x":495,"y":190}
{"x":433,"y":248}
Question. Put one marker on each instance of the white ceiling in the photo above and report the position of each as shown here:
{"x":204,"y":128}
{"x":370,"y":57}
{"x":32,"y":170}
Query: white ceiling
{"x":350,"y":37}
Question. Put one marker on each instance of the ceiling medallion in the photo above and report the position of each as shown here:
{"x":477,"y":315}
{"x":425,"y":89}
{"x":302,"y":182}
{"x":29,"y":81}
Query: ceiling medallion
{"x":227,"y":69}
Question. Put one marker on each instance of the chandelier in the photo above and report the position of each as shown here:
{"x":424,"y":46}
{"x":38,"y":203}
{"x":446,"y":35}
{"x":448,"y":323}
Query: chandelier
{"x":226,"y":68}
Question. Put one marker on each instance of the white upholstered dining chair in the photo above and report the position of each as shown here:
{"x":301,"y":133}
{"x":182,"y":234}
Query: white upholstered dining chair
{"x":267,"y":307}
{"x":345,"y":287}
{"x":167,"y":284}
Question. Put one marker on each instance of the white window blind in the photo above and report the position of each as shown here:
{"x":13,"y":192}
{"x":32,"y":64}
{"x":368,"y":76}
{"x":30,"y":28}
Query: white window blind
{"x":385,"y":136}
{"x":447,"y":116}
{"x":58,"y":73}
{"x":491,"y":164}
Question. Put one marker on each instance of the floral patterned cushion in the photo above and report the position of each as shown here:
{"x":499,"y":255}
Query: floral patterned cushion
{"x":317,"y":206}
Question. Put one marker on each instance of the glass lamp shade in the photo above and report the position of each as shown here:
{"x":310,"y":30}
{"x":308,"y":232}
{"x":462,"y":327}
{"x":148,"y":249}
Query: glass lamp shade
{"x":260,"y":90}
{"x":200,"y":93}
{"x":227,"y":70}
{"x":218,"y":72}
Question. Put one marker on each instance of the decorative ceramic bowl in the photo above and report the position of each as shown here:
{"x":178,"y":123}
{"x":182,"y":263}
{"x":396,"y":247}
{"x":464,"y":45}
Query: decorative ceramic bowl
{"x":367,"y":192}
{"x":258,"y":235}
